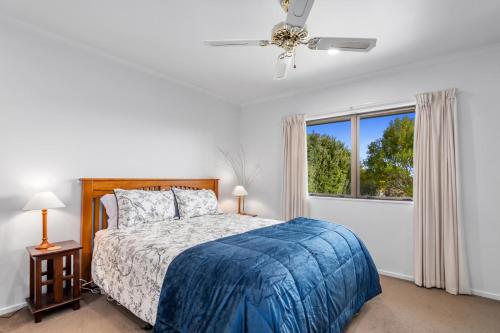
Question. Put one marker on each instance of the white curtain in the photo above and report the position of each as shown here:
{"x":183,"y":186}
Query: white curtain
{"x":438,"y":245}
{"x":294,"y":167}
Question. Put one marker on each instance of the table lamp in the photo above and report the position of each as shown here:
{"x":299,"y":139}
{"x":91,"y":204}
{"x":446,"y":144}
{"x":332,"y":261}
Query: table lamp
{"x":240,"y":192}
{"x":43,"y":201}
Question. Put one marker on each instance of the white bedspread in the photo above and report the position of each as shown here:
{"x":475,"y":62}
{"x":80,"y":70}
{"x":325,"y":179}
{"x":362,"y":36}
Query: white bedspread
{"x":130,"y":264}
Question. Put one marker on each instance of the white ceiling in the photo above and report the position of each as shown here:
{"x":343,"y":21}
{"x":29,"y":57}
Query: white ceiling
{"x":167,"y":36}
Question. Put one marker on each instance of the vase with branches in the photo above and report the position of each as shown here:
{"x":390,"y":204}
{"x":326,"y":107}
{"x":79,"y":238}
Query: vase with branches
{"x":244,"y":176}
{"x":238,"y":163}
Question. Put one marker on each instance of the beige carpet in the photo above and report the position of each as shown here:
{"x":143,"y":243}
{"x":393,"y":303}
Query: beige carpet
{"x":402,"y":307}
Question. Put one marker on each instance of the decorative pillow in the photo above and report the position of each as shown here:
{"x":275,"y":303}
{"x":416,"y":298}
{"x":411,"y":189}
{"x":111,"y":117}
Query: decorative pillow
{"x":109,"y":203}
{"x":138,"y":207}
{"x":196,"y":202}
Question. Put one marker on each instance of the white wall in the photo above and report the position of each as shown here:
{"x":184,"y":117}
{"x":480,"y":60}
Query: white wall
{"x":387,"y":227}
{"x":66,"y":113}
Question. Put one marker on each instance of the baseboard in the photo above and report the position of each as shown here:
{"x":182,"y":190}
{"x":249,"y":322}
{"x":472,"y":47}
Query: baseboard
{"x":400,"y":276}
{"x":396,"y":275}
{"x":486,"y":294}
{"x":11,"y":308}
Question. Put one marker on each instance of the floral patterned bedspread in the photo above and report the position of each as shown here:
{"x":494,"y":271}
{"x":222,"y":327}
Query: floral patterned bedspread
{"x":130,"y":264}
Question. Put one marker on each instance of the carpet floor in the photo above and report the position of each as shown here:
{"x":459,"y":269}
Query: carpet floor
{"x":402,"y":307}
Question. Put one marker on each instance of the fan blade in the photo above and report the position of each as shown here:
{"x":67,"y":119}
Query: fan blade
{"x":342,"y":44}
{"x":250,"y":42}
{"x":283,"y":65}
{"x":298,"y":12}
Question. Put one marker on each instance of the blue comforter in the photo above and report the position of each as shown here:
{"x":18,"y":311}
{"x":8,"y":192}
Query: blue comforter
{"x":301,"y":276}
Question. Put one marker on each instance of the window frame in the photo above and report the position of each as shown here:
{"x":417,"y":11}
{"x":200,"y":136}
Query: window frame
{"x":355,"y":119}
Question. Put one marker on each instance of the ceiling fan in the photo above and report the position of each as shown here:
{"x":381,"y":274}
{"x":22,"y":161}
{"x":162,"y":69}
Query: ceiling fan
{"x":290,"y":34}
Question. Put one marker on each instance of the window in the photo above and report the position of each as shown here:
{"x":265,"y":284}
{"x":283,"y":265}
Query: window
{"x":362,"y":156}
{"x":329,"y":157}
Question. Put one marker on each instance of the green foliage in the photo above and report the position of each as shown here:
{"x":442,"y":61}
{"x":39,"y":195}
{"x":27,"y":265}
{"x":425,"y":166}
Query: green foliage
{"x":329,"y":165}
{"x":388,"y":167}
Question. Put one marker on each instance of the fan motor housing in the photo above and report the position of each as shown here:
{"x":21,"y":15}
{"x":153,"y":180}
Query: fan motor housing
{"x":288,"y":37}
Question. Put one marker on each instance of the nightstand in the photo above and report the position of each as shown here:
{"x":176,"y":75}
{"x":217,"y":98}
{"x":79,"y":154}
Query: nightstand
{"x":54,"y":278}
{"x":249,"y":214}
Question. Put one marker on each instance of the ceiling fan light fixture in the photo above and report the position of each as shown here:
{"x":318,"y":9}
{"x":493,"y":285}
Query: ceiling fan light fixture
{"x":284,"y":5}
{"x":333,"y":51}
{"x":292,"y":33}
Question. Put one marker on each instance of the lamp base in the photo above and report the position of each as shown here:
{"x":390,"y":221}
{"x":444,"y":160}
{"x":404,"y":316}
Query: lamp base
{"x":241,"y":205}
{"x":45,"y":245}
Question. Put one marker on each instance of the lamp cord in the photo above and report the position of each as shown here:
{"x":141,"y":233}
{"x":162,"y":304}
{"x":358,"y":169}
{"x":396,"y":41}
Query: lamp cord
{"x":94,"y":289}
{"x":90,"y":286}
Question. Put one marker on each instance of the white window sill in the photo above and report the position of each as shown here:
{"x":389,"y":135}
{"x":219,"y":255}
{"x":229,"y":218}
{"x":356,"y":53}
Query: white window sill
{"x":377,"y":201}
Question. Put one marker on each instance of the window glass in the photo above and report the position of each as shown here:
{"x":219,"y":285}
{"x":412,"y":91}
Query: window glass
{"x":329,"y":158}
{"x":386,"y":156}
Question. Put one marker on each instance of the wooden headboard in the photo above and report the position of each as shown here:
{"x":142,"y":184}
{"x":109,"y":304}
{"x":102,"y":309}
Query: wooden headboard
{"x":94,"y":217}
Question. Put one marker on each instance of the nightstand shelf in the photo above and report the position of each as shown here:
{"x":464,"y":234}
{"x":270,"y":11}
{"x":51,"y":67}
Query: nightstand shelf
{"x":47,"y":302}
{"x":58,"y":272}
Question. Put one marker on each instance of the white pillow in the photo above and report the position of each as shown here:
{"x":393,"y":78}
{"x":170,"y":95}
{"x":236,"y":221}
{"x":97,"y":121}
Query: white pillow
{"x":109,"y":203}
{"x":137,"y":207}
{"x":196,"y":202}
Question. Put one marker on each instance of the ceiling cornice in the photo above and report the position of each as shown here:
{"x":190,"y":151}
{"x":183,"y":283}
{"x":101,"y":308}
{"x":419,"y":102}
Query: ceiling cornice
{"x":434,"y":60}
{"x":117,"y":59}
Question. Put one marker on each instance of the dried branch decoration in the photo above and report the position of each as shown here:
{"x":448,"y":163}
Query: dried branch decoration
{"x":238,"y":164}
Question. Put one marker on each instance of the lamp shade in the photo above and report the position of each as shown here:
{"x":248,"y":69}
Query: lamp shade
{"x":43,"y":200}
{"x":239,"y":191}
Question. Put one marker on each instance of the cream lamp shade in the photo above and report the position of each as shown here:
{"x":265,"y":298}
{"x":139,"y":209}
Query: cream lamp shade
{"x":43,"y":200}
{"x":239,"y":191}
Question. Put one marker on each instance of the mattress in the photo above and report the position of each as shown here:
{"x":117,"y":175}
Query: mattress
{"x":130,"y":264}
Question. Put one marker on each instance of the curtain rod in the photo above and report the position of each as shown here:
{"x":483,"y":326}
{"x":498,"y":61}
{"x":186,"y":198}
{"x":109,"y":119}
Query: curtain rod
{"x":363,"y":108}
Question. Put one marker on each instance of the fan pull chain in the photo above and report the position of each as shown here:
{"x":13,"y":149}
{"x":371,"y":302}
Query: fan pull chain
{"x":294,"y":65}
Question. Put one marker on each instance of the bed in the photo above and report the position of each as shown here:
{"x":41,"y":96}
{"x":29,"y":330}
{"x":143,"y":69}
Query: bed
{"x":226,"y":272}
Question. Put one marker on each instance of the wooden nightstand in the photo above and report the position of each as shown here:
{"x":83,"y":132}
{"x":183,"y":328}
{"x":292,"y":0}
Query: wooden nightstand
{"x":249,"y":214}
{"x":59,"y":274}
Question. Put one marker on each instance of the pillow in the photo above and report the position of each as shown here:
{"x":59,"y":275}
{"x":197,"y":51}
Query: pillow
{"x":196,"y":202}
{"x":109,"y":203}
{"x":137,"y":207}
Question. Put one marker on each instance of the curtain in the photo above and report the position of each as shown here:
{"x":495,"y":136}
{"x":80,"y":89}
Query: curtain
{"x":439,"y":260}
{"x":294,"y":167}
